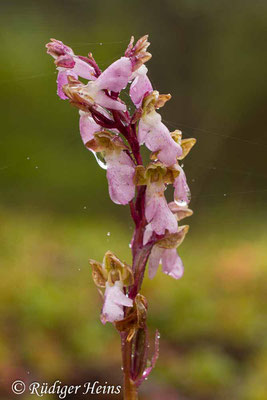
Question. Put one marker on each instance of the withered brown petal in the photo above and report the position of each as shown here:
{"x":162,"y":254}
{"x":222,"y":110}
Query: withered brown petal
{"x":98,"y":273}
{"x":173,"y":240}
{"x":187,"y":145}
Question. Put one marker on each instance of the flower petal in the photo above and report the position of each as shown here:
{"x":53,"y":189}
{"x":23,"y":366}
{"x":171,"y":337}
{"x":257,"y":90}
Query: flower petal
{"x":147,"y":234}
{"x":181,"y":189}
{"x":114,"y":301}
{"x":140,"y":86}
{"x":157,"y":211}
{"x":103,"y":100}
{"x":87,"y":127}
{"x":154,"y":261}
{"x":62,"y":79}
{"x":120,"y":174}
{"x":172,"y":264}
{"x":157,"y":138}
{"x":83,"y":69}
{"x":116,"y":76}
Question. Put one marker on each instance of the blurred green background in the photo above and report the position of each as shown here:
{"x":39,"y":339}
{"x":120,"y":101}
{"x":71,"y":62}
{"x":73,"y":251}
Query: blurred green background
{"x":55,"y":211}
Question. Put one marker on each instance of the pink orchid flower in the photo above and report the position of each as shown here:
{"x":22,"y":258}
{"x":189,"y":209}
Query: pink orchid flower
{"x":172,"y":264}
{"x":157,"y":138}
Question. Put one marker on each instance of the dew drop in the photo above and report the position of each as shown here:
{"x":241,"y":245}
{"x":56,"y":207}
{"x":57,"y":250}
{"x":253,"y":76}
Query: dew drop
{"x":180,"y":203}
{"x":28,"y":158}
{"x":84,"y":207}
{"x":225,"y":194}
{"x":36,"y":167}
{"x":100,"y":160}
{"x":130,"y":245}
{"x":108,"y":234}
{"x":100,"y":44}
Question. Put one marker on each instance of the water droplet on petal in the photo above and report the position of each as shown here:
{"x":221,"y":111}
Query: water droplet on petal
{"x":180,"y":203}
{"x":100,"y":160}
{"x":130,"y":245}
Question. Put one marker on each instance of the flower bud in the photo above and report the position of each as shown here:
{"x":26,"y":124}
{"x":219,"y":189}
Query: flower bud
{"x":138,"y":53}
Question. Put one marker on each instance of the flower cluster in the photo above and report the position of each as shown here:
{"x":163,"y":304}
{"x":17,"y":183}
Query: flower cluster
{"x":109,"y":130}
{"x":114,"y":134}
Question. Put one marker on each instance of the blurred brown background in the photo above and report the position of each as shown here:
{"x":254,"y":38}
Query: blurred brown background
{"x":55,"y":211}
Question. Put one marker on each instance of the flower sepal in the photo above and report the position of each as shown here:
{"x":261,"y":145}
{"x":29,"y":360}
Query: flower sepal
{"x":99,"y":274}
{"x":173,"y":240}
{"x":117,"y":270}
{"x":180,"y":211}
{"x":186,"y":144}
{"x":155,"y":172}
{"x":135,"y":317}
{"x":154,"y":101}
{"x":105,"y":141}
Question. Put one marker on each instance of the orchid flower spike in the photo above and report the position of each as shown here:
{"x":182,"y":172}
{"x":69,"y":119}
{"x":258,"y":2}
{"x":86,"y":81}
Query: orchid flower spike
{"x":114,"y":132}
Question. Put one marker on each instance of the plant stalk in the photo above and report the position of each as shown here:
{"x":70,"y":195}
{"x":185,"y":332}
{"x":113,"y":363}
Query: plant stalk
{"x":130,"y":388}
